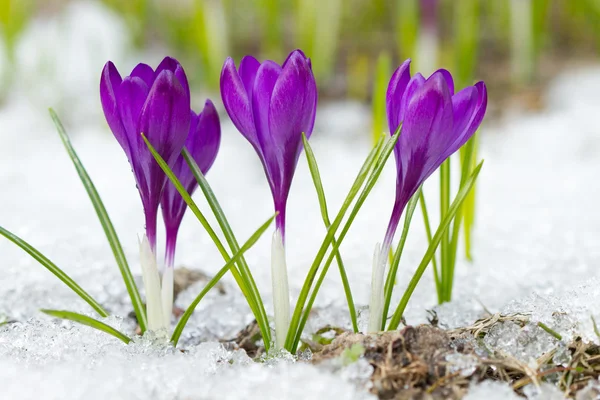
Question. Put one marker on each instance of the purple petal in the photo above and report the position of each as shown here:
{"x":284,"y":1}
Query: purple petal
{"x":171,"y":64}
{"x":395,"y":93}
{"x":416,"y":82}
{"x":427,"y":126}
{"x":165,"y":117}
{"x":145,"y":72}
{"x":247,"y":71}
{"x":448,"y":78}
{"x":266,"y":77}
{"x":291,"y":112}
{"x":110,"y":82}
{"x":238,"y":103}
{"x":132,"y":96}
{"x":203,"y":144}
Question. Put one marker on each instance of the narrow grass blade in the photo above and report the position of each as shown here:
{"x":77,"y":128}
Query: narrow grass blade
{"x":50,"y":266}
{"x":316,"y":176}
{"x":204,"y":222}
{"x":373,"y":177}
{"x":88,"y":321}
{"x":436,"y":274}
{"x":382,"y":75}
{"x":444,"y":205}
{"x":459,"y":199}
{"x":360,"y":178}
{"x":106,"y":223}
{"x":245,"y":272}
{"x":391,"y":277}
{"x":188,"y":313}
{"x":458,"y":219}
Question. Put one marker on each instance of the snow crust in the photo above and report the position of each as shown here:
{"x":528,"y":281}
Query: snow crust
{"x":535,"y":246}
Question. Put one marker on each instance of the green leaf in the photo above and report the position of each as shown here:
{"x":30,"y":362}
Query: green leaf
{"x":391,"y":277}
{"x":444,"y":206}
{"x":436,"y":275}
{"x":188,"y":313}
{"x":244,"y":270}
{"x":444,"y":224}
{"x":374,"y":176}
{"x":88,"y":321}
{"x":39,"y":257}
{"x":360,"y":178}
{"x":316,"y":176}
{"x":107,"y":225}
{"x":204,"y":222}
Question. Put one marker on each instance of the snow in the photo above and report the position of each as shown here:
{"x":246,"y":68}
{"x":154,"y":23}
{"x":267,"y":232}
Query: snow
{"x":535,"y":245}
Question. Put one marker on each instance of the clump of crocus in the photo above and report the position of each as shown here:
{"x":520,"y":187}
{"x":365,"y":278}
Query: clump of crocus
{"x":272,"y":105}
{"x":203,"y":144}
{"x":157,"y":104}
{"x":435,"y":122}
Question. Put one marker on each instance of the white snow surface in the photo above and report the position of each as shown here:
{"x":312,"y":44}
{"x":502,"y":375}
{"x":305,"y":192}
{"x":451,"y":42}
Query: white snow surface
{"x":536,"y":245}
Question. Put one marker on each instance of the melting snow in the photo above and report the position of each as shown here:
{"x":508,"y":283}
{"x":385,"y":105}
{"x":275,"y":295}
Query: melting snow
{"x":536,"y":242}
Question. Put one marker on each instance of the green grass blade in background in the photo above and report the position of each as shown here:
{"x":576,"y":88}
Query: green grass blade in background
{"x":316,"y":176}
{"x":437,"y":238}
{"x":407,"y":27}
{"x":106,"y":223}
{"x":50,"y":266}
{"x":391,"y":277}
{"x":466,"y":40}
{"x":88,"y":321}
{"x":188,"y":312}
{"x":214,"y":205}
{"x":240,"y":279}
{"x":382,"y":76}
{"x":210,"y":34}
{"x":469,"y":152}
{"x":467,"y":161}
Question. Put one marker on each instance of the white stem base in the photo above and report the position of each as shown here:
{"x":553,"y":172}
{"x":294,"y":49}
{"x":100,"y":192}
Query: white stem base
{"x":377,"y":295}
{"x":281,"y":296}
{"x":154,"y":307}
{"x":167,"y":295}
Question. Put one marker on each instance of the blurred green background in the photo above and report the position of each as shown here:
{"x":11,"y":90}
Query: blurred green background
{"x":349,"y":40}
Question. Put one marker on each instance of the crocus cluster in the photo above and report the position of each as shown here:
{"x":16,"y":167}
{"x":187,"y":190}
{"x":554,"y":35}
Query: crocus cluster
{"x":435,"y":122}
{"x":272,"y":105}
{"x":157,"y":104}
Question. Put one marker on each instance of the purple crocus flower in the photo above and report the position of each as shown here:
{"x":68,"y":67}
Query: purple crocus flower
{"x":271,"y":105}
{"x":436,"y":122}
{"x":156,"y":103}
{"x":203,"y":144}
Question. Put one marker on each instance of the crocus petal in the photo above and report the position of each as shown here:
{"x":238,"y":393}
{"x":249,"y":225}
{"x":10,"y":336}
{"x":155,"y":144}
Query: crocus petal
{"x":165,"y":120}
{"x":145,"y":72}
{"x":132,"y":96}
{"x":203,"y":144}
{"x":238,"y":103}
{"x":110,"y":82}
{"x":165,"y":117}
{"x":448,"y":78}
{"x":428,"y":119}
{"x":247,"y":71}
{"x":415,"y":83}
{"x":395,"y":93}
{"x":266,"y":77}
{"x":171,"y":64}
